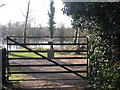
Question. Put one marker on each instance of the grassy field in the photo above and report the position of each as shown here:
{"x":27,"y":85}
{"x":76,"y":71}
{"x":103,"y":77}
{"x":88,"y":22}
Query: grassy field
{"x":33,"y":55}
{"x":24,"y":54}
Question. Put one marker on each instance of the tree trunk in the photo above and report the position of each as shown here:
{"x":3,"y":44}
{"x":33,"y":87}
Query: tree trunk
{"x":26,"y":22}
{"x":78,"y":40}
{"x":76,"y":34}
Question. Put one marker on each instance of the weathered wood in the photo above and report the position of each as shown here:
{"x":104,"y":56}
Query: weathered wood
{"x":4,"y":66}
{"x":47,"y":51}
{"x":42,"y":79}
{"x":56,"y":63}
{"x":47,"y":65}
{"x":48,"y":36}
{"x":48,"y":44}
{"x":30,"y":58}
{"x":47,"y":72}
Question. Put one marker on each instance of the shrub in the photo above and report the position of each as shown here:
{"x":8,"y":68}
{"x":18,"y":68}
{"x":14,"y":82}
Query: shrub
{"x":104,"y":73}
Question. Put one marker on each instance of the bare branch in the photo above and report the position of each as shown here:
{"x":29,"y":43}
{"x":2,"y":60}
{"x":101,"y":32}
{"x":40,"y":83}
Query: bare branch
{"x":2,"y":5}
{"x":22,"y":13}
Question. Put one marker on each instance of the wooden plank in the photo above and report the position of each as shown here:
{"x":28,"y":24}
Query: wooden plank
{"x":48,"y":44}
{"x":70,"y":58}
{"x":47,"y":37}
{"x":24,"y":46}
{"x":24,"y":58}
{"x":47,"y":51}
{"x":42,"y":79}
{"x":52,"y":58}
{"x":47,"y":72}
{"x":45,"y":65}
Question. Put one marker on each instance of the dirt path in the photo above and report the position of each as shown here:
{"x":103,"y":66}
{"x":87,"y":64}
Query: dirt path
{"x":51,"y":83}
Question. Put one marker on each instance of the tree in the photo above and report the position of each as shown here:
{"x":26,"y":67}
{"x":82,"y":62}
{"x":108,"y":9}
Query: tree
{"x":105,"y":15}
{"x":103,"y":20}
{"x":51,"y":20}
{"x":61,"y":33}
{"x":100,"y":17}
{"x":26,"y":21}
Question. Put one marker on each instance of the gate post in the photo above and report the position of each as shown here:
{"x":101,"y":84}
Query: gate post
{"x":0,"y":68}
{"x":3,"y":66}
{"x":51,"y":51}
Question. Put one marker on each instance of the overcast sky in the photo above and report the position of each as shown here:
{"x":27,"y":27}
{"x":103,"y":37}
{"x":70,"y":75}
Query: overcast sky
{"x":15,"y":10}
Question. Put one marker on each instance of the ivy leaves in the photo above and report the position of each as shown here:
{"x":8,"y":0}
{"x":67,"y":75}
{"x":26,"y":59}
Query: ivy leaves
{"x":102,"y":75}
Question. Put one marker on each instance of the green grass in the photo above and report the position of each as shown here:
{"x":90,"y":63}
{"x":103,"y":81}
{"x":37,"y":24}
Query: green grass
{"x":29,"y":54}
{"x":32,"y":55}
{"x":23,"y":55}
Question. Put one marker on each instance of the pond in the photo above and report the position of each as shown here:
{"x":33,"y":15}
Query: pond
{"x":15,"y":47}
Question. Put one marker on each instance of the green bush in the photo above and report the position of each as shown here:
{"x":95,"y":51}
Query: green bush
{"x":104,"y":74}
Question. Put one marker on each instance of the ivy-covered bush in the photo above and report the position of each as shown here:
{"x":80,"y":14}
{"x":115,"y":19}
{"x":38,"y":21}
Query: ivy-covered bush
{"x":104,"y":64}
{"x":103,"y":21}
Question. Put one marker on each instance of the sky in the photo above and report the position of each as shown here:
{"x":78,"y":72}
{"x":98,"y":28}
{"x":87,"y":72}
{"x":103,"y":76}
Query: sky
{"x":15,"y":11}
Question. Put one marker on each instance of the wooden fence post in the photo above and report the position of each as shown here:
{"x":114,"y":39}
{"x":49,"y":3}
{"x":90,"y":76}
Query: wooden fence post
{"x":0,"y":68}
{"x":4,"y":60}
{"x":51,"y":51}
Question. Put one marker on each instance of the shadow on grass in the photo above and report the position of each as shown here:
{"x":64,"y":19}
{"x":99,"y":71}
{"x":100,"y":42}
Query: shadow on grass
{"x":19,"y":56}
{"x":11,"y":85}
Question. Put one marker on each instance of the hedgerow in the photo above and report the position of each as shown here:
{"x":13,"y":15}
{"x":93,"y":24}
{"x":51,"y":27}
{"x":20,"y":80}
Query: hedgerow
{"x":104,"y":62}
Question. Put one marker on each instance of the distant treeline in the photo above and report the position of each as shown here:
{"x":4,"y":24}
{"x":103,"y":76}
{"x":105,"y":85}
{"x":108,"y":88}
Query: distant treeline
{"x":17,"y":29}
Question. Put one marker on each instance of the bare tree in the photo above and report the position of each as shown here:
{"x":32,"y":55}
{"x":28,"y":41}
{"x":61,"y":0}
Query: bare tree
{"x":26,"y":21}
{"x":62,"y":33}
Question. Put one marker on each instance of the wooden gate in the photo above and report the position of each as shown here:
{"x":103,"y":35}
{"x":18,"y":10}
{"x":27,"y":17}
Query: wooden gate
{"x":16,"y":41}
